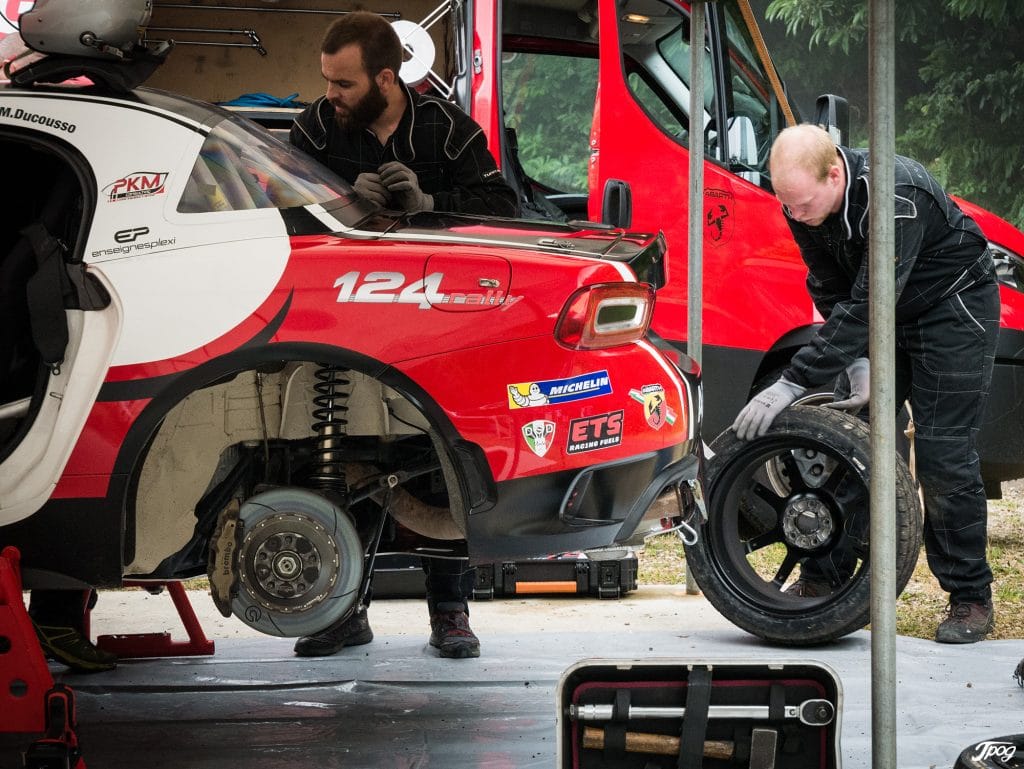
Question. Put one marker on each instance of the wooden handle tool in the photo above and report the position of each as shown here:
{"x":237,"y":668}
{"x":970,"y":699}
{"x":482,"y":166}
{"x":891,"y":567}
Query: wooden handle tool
{"x":657,"y":744}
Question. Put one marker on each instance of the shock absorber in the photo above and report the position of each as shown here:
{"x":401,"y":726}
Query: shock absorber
{"x":330,"y":414}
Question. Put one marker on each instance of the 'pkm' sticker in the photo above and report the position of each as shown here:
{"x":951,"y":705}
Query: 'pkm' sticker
{"x":525,"y":395}
{"x":657,"y":412}
{"x":138,"y":184}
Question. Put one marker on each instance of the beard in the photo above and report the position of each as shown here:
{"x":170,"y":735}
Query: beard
{"x":365,"y":111}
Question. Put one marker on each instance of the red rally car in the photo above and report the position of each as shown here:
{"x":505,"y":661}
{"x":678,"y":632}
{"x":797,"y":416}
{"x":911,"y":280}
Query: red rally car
{"x":215,"y":358}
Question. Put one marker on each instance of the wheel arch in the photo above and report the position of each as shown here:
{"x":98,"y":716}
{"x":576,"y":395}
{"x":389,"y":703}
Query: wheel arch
{"x":464,"y":462}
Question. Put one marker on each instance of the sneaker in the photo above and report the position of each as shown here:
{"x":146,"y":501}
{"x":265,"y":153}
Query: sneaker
{"x":354,"y":630}
{"x":452,"y":636}
{"x":965,"y":623}
{"x":808,"y":588}
{"x":69,"y":646}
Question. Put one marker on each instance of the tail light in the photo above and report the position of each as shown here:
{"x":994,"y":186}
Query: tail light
{"x":605,"y":315}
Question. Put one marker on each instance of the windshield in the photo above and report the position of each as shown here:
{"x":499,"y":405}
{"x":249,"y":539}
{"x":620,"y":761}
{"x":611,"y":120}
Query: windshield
{"x":241,"y":167}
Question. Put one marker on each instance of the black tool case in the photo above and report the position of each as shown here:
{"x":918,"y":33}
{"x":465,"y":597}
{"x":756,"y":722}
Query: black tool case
{"x":661,"y":713}
{"x":609,"y":574}
{"x":606,"y":575}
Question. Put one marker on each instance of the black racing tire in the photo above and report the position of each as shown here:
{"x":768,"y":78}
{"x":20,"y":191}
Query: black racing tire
{"x":799,"y":492}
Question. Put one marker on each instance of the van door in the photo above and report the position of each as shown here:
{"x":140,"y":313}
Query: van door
{"x":753,"y":277}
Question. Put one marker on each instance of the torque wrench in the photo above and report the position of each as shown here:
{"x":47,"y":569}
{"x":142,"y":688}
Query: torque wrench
{"x":810,"y":712}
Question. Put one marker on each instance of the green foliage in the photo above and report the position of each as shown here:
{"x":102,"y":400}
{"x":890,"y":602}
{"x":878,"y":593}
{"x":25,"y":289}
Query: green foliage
{"x":959,"y":84}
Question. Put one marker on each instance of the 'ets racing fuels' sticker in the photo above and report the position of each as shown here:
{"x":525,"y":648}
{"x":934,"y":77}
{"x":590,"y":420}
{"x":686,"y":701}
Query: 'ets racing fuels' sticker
{"x":594,"y":432}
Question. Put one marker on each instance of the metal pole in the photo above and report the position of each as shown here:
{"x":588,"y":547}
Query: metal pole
{"x":695,"y":243}
{"x":881,"y":55}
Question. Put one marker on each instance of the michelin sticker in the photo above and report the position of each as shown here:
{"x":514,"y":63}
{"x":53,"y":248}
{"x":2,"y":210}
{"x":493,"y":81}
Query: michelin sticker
{"x":539,"y":435}
{"x":525,"y":395}
{"x":657,"y":412}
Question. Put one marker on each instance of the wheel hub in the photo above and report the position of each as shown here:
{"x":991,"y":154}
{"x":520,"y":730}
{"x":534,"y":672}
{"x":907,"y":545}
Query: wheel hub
{"x":287,"y":565}
{"x":807,"y":522}
{"x":289,"y":561}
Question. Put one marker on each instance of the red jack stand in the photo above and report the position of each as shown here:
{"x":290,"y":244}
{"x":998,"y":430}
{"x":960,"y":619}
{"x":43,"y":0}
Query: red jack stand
{"x":161,"y":644}
{"x":24,"y":677}
{"x":58,"y":749}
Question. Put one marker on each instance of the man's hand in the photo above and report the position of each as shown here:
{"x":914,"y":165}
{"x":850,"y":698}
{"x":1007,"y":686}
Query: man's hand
{"x":404,"y":187}
{"x":758,"y":415}
{"x":370,"y":187}
{"x":859,"y":373}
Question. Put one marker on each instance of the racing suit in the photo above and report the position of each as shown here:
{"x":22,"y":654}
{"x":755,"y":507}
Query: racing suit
{"x":947,"y":321}
{"x":442,"y":145}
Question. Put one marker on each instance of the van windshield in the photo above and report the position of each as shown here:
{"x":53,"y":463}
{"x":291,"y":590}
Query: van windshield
{"x":242,"y":167}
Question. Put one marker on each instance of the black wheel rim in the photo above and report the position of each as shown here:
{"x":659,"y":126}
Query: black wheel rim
{"x":779,"y":502}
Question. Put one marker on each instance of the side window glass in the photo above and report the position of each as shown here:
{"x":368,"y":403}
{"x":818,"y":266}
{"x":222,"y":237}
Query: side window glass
{"x":549,"y":102}
{"x":655,"y":43}
{"x":664,"y":112}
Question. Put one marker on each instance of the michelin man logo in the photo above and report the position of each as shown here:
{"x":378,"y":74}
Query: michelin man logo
{"x":533,"y":397}
{"x":539,"y":435}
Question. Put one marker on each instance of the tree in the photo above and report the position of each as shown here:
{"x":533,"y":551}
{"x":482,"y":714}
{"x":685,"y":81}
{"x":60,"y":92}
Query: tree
{"x":959,"y":84}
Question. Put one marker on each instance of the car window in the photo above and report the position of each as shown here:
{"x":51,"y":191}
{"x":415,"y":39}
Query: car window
{"x":241,"y":167}
{"x":549,"y":101}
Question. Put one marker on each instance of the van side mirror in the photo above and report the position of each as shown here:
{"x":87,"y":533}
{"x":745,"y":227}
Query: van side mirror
{"x":617,"y":204}
{"x":833,"y":114}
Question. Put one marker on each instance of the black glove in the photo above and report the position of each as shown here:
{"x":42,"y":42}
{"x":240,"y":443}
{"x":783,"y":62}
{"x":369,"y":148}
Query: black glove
{"x":404,"y":187}
{"x":370,"y":187}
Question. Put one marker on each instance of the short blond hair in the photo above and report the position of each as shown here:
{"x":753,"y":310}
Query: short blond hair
{"x":805,"y":146}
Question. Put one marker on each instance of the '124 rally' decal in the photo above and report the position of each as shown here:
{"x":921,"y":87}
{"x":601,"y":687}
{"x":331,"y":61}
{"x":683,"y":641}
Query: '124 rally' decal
{"x":392,"y":288}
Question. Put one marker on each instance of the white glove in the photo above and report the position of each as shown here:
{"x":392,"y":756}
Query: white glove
{"x":859,"y":373}
{"x":370,"y":187}
{"x":404,"y":187}
{"x":758,"y":415}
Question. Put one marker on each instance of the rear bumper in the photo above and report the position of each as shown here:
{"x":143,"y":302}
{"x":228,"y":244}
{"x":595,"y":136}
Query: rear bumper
{"x":597,"y":506}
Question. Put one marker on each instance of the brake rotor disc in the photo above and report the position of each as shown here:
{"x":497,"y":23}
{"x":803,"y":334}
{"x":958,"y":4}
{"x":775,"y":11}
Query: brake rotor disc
{"x":299,"y":563}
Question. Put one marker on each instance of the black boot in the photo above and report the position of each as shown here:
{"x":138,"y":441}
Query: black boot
{"x":354,"y":630}
{"x":451,"y":634}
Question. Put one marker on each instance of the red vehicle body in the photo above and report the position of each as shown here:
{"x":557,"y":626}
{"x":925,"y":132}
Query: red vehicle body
{"x":243,"y":369}
{"x":591,"y":100}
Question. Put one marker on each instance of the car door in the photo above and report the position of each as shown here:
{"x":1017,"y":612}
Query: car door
{"x":58,"y":327}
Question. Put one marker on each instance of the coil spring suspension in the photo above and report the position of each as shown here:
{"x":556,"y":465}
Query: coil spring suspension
{"x":330,"y":413}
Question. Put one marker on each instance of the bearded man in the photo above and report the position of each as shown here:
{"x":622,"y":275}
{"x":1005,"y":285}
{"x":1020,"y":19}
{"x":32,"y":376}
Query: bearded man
{"x":398,"y":148}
